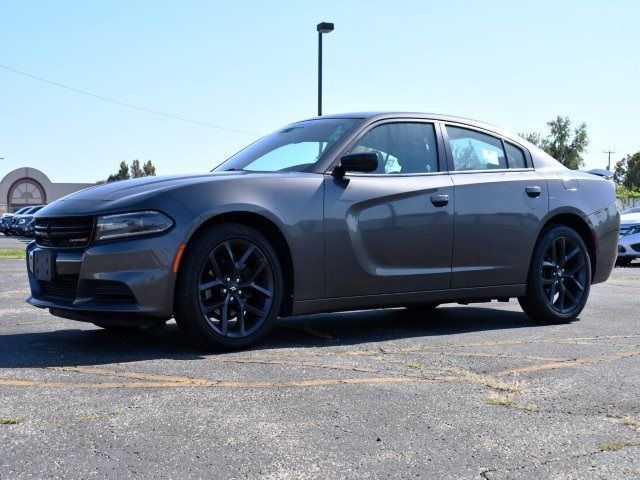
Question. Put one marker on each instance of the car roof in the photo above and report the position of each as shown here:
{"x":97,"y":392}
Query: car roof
{"x":382,"y":115}
{"x":33,"y":209}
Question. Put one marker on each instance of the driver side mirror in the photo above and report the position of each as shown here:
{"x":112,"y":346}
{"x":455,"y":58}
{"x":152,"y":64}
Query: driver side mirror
{"x":364,"y":162}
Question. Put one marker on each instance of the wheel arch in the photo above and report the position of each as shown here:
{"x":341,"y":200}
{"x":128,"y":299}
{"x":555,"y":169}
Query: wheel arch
{"x":577,"y":222}
{"x":273,"y":234}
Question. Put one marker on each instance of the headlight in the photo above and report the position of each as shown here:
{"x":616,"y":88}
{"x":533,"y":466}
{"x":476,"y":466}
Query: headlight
{"x":22,"y":221}
{"x":131,"y":224}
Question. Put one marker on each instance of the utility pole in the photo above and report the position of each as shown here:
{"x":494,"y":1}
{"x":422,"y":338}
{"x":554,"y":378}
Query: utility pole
{"x":609,"y":152}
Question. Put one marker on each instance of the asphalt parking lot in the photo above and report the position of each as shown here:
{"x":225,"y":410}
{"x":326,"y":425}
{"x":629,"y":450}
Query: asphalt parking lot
{"x":13,"y":242}
{"x":462,"y":392}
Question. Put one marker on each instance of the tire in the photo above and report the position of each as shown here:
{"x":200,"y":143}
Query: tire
{"x":623,"y":262}
{"x":559,"y":277}
{"x":229,"y":288}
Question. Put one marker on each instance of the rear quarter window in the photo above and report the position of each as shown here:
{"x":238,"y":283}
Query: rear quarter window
{"x":515,"y":156}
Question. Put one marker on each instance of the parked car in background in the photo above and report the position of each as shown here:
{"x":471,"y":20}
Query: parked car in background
{"x":630,"y":210}
{"x":5,"y":222}
{"x":29,"y":229}
{"x":629,"y":244}
{"x":20,"y":222}
{"x":14,"y":218}
{"x":335,"y":213}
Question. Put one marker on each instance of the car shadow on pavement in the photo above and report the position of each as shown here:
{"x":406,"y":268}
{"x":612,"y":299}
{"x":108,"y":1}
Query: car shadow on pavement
{"x":352,"y":328}
{"x":84,"y":346}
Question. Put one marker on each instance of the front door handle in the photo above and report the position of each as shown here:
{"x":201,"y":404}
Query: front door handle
{"x":440,"y":200}
{"x":533,"y":191}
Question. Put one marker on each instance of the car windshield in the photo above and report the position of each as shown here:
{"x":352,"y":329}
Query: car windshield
{"x":295,"y":148}
{"x":631,"y":210}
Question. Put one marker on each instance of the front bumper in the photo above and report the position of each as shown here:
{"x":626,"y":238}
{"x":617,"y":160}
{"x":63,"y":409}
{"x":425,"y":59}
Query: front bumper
{"x":629,"y":246}
{"x":130,"y":279}
{"x":20,"y":229}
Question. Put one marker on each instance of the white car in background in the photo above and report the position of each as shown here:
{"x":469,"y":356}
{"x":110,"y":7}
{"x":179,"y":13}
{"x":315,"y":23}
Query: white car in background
{"x":629,"y":244}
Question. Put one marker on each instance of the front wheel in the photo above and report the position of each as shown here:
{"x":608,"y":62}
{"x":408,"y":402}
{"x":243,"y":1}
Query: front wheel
{"x":229,"y":287}
{"x":559,"y":277}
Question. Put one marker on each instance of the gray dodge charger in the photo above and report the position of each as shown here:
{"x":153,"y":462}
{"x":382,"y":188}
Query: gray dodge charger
{"x":341,"y":212}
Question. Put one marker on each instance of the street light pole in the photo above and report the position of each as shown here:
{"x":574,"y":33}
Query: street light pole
{"x":323,"y":27}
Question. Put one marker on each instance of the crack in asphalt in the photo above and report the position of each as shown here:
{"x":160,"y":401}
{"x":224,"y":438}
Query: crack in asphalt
{"x":577,"y":362}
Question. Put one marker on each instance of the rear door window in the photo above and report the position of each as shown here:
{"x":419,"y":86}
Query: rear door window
{"x":473,"y":150}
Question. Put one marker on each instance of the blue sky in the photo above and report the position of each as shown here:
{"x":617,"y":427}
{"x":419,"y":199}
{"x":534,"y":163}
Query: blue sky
{"x":251,"y":66}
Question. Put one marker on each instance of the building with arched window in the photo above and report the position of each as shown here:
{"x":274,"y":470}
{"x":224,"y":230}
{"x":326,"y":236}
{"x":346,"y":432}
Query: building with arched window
{"x":29,"y":186}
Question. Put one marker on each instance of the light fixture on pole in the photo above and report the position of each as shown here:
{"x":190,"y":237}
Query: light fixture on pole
{"x":323,"y":27}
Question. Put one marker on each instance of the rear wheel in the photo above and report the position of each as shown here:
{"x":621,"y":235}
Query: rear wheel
{"x":229,"y":288}
{"x":559,"y":277}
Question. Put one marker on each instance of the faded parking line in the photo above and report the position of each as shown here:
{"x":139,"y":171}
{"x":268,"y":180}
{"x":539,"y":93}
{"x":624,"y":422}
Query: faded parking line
{"x":152,"y":380}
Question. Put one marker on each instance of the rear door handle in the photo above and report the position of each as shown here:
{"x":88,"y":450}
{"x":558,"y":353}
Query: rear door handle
{"x":533,"y":191}
{"x":440,"y":200}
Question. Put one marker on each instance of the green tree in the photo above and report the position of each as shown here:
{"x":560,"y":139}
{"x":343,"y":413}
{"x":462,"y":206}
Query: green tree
{"x":533,"y":137}
{"x":136,"y":171}
{"x":627,"y":172}
{"x":149,"y":169}
{"x":121,"y":174}
{"x":563,"y":143}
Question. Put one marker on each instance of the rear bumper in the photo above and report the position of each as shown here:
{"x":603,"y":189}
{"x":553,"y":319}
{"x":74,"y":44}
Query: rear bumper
{"x":130,"y":280}
{"x":605,"y":225}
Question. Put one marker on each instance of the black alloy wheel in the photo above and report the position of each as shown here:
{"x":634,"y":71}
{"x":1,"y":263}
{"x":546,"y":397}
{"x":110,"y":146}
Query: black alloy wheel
{"x":229,"y":287}
{"x":559,"y":277}
{"x":236,"y":288}
{"x":564,"y":274}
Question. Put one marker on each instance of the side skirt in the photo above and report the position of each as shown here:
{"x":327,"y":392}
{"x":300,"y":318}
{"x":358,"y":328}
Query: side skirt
{"x":463,"y":295}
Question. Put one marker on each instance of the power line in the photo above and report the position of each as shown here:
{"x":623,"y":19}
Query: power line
{"x":128,"y":105}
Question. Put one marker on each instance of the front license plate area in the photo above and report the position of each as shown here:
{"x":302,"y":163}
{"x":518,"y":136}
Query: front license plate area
{"x":43,"y":265}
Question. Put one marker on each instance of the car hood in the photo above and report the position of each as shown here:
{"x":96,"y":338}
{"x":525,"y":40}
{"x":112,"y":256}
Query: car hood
{"x":127,"y":194}
{"x":141,"y":186}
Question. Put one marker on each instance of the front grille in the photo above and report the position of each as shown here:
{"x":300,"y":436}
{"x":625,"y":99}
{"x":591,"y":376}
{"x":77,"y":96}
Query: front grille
{"x":70,"y":232}
{"x":63,"y":287}
{"x":629,"y":229}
